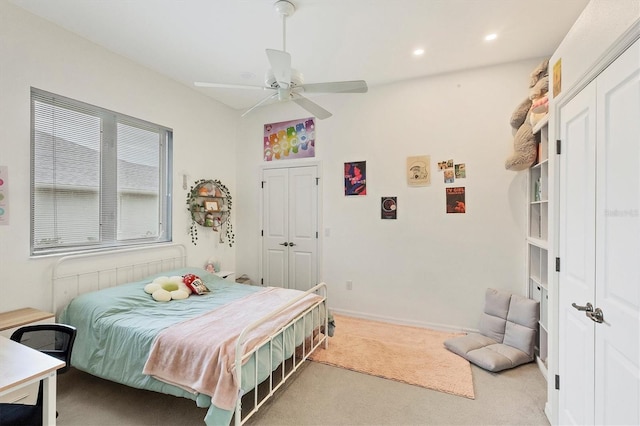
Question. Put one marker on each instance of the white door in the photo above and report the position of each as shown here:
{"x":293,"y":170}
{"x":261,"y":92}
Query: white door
{"x":576,"y":250}
{"x":290,"y":227}
{"x":618,"y":242}
{"x":599,"y":243}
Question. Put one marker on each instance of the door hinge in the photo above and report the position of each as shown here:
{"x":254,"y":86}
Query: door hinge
{"x":557,"y":382}
{"x":316,"y":235}
{"x":557,"y":264}
{"x":262,"y":283}
{"x":317,"y":179}
{"x":558,"y":146}
{"x":262,"y":184}
{"x":262,"y":232}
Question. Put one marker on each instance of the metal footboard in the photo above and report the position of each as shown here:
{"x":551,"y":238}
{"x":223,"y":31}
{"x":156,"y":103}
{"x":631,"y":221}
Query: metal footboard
{"x":317,"y":315}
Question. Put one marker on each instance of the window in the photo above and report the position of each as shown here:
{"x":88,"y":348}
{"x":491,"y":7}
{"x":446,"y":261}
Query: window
{"x":99,"y":179}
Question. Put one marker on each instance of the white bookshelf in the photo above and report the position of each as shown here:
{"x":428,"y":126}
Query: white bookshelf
{"x":538,"y":237}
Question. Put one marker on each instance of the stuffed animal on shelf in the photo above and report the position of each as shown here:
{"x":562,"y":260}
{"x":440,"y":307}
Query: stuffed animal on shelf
{"x":164,"y":289}
{"x":539,"y":99}
{"x":525,"y":145}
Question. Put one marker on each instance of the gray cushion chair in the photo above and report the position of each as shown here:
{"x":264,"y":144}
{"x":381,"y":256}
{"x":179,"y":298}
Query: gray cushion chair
{"x":508,"y":329}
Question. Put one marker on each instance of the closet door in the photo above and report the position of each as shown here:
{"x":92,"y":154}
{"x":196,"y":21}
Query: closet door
{"x":577,"y":179}
{"x":275,"y":227}
{"x":617,"y":350}
{"x":290,"y":224}
{"x":303,"y":227}
{"x":599,"y":242}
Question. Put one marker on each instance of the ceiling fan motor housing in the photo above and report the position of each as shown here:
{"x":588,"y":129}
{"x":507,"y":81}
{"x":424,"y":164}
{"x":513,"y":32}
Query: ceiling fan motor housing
{"x":296,"y":79}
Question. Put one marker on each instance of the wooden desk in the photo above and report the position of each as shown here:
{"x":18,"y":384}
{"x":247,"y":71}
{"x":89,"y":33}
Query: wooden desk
{"x":20,"y":366}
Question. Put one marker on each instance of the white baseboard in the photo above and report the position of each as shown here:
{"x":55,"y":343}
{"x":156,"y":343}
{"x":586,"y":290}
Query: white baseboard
{"x":399,"y":321}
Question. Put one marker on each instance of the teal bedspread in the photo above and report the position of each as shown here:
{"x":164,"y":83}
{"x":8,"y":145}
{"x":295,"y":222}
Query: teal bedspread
{"x":117,"y":326}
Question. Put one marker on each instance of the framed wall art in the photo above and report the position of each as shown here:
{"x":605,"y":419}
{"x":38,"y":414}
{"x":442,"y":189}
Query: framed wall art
{"x":355,"y":178}
{"x":289,"y":139}
{"x":419,"y":170}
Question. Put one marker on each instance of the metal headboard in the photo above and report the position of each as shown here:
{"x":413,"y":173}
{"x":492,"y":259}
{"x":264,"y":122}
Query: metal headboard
{"x":76,"y":274}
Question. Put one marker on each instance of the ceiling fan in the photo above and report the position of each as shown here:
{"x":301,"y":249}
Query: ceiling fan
{"x":287,"y":83}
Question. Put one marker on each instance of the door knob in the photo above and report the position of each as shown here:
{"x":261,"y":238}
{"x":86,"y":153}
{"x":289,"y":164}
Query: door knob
{"x":284,"y":244}
{"x":596,"y":316}
{"x":291,"y":244}
{"x":588,"y":307}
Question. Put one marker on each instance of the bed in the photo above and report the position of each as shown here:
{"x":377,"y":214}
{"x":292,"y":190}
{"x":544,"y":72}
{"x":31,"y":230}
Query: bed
{"x":229,"y":350}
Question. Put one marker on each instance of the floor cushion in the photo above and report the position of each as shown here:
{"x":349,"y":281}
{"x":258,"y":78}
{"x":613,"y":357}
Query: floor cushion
{"x":508,"y":329}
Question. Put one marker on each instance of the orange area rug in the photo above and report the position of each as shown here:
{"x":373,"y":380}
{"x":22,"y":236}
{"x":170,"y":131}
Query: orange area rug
{"x":412,"y":355}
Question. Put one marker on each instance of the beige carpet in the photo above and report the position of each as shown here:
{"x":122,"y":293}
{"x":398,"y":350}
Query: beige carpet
{"x":406,"y":354}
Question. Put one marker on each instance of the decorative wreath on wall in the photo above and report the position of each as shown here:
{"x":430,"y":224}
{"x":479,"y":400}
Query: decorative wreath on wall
{"x":209,"y":202}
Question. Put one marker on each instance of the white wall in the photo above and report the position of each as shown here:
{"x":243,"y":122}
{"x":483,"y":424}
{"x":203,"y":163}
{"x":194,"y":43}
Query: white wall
{"x":426,"y":267}
{"x":600,"y":24}
{"x":36,"y":53}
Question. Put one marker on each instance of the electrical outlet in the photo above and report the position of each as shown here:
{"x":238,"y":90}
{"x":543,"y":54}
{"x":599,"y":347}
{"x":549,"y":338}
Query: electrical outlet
{"x":349,"y":285}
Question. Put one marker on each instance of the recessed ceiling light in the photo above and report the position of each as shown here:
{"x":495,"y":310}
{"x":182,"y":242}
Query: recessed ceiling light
{"x":491,"y":37}
{"x":418,"y":52}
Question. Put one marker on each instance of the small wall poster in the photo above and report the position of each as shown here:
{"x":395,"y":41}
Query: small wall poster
{"x":389,"y":208}
{"x":290,"y":139}
{"x":461,"y":171}
{"x":4,"y":195}
{"x":419,"y":170}
{"x":456,"y":199}
{"x":355,"y":178}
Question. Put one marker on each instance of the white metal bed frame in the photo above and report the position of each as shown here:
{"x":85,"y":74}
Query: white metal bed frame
{"x":67,"y":283}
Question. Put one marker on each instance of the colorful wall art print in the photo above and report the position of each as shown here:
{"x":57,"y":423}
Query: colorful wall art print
{"x":419,"y":170}
{"x":456,"y":200}
{"x":461,"y":171}
{"x":290,"y":139}
{"x":389,"y":208}
{"x":355,"y":178}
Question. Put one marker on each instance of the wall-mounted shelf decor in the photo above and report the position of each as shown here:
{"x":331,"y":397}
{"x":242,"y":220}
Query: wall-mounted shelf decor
{"x":209,"y":202}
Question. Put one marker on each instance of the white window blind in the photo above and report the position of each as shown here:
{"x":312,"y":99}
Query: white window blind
{"x":99,"y":179}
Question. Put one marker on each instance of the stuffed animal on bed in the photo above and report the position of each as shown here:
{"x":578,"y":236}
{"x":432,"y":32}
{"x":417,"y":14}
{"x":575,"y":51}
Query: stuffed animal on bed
{"x":164,"y":289}
{"x":525,"y":146}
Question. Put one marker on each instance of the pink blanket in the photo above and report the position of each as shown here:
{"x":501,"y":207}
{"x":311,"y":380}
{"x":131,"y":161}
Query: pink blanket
{"x":198,"y":354}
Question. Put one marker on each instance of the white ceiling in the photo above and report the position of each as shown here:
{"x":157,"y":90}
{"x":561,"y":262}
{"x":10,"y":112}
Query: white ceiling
{"x":224,"y":41}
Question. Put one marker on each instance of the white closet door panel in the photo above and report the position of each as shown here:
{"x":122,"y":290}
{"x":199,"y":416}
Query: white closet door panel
{"x":576,"y":243}
{"x":576,"y":373}
{"x":618,"y":242}
{"x":275,"y":227}
{"x":275,"y":268}
{"x":303,"y":227}
{"x":302,"y":270}
{"x":303,"y":195}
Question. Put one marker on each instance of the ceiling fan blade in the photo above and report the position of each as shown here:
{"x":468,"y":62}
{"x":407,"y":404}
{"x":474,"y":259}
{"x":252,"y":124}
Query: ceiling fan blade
{"x":356,"y":86}
{"x":310,"y":106}
{"x":280,"y":62}
{"x":275,"y":95}
{"x":230,"y":86}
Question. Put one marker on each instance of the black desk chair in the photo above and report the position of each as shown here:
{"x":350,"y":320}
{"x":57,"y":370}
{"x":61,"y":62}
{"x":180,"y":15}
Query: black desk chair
{"x":52,"y":339}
